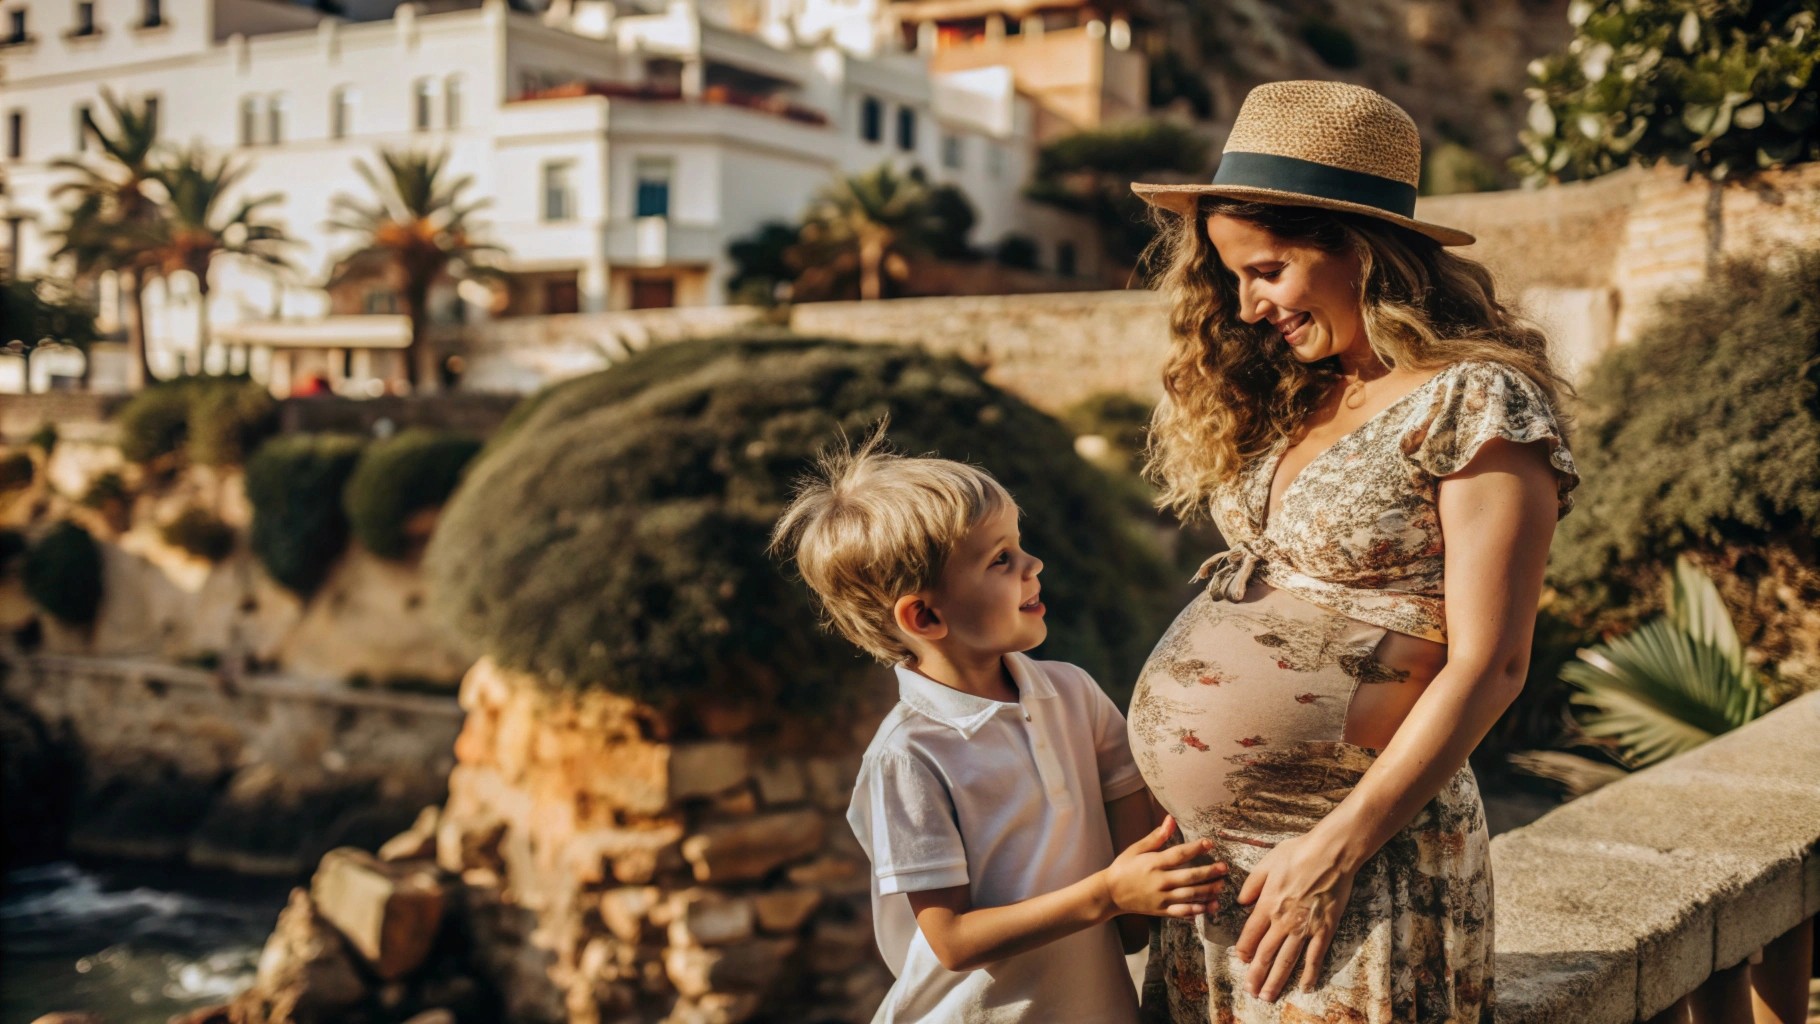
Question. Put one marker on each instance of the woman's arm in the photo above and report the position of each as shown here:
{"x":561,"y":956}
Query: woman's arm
{"x":1146,"y":879}
{"x":1498,"y":517}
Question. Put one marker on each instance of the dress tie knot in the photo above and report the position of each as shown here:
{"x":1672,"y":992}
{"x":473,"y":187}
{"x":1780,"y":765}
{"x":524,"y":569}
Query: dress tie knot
{"x":1229,"y":572}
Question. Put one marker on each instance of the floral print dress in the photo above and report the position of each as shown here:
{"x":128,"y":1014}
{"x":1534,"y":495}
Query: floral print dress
{"x":1238,"y":717}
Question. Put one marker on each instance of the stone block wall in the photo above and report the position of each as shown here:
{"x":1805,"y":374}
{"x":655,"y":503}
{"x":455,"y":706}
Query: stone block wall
{"x":1051,"y":350}
{"x":614,"y":871}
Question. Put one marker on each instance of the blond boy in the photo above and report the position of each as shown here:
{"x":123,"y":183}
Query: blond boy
{"x":992,"y":798}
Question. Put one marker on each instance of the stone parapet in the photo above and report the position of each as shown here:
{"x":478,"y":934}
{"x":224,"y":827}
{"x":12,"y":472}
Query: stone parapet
{"x":1617,"y":905}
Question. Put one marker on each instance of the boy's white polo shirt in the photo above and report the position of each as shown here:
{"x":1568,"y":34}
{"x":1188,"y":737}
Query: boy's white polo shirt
{"x":1007,"y":799}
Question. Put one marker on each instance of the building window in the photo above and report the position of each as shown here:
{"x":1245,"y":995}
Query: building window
{"x":559,"y":190}
{"x":151,"y":116}
{"x":249,"y":121}
{"x":951,"y":151}
{"x":15,"y":135}
{"x":274,"y":119}
{"x":85,"y":19}
{"x":1065,"y":259}
{"x":341,"y":113}
{"x":871,"y":119}
{"x":154,"y":14}
{"x":653,"y":175}
{"x":421,"y":92}
{"x":906,"y":129}
{"x":451,"y":102}
{"x":85,"y":124}
{"x":15,"y":32}
{"x":995,"y":159}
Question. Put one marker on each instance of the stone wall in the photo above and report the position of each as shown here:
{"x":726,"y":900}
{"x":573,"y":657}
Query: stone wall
{"x":614,"y":871}
{"x":1052,"y":350}
{"x":258,"y":774}
{"x":521,"y":354}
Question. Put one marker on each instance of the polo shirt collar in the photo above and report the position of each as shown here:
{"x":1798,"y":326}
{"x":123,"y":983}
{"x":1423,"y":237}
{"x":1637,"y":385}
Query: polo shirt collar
{"x":965,"y":712}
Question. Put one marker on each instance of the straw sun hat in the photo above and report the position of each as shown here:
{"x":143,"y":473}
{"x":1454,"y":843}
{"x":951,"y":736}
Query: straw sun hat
{"x":1323,"y":144}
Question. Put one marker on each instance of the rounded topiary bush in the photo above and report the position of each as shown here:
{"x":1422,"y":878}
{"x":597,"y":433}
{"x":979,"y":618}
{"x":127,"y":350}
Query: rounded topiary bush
{"x":155,"y":422}
{"x":294,"y":484}
{"x":218,"y":419}
{"x":415,"y":470}
{"x":613,"y":532}
{"x":228,"y":420}
{"x":199,"y":532}
{"x":62,"y":573}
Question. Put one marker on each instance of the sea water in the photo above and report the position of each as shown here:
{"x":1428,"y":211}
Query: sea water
{"x":132,"y":944}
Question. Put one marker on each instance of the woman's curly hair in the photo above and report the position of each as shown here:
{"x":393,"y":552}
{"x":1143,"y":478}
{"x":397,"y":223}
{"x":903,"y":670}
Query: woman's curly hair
{"x":1233,"y":389}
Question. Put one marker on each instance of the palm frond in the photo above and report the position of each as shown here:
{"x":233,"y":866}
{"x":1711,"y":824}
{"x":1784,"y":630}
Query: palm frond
{"x":1672,"y":683}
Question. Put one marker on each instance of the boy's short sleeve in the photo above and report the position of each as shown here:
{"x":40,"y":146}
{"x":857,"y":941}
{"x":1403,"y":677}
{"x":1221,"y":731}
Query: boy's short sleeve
{"x":904,"y":817}
{"x":1119,"y":775}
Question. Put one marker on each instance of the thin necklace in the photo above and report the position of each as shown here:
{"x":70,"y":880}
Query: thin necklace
{"x":1354,"y":394}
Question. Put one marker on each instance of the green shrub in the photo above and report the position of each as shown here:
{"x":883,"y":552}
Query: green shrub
{"x":104,"y":490}
{"x":1333,"y":44}
{"x":62,"y":574}
{"x":614,"y":533}
{"x":1702,"y":434}
{"x":16,"y":470}
{"x":218,"y":419}
{"x":1122,"y":420}
{"x":294,"y":484}
{"x":228,"y":421}
{"x":44,"y":438}
{"x":414,"y":470}
{"x":155,"y":422}
{"x":12,"y":545}
{"x":201,"y":533}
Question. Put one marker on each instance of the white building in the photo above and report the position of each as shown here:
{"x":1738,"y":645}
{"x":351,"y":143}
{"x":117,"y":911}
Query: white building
{"x":620,"y":151}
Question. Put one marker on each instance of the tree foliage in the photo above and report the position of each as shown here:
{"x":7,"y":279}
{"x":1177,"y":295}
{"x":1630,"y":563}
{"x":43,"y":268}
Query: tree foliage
{"x":1091,"y":172}
{"x":613,"y":532}
{"x":1722,"y":87}
{"x":414,"y":228}
{"x":38,"y":314}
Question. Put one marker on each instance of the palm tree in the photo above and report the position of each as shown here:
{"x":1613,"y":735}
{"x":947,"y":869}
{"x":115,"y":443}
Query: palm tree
{"x":114,"y":219}
{"x":192,"y":233}
{"x":415,"y":230}
{"x":867,"y":222}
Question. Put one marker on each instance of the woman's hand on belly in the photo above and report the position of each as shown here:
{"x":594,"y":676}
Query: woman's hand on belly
{"x":1300,"y":893}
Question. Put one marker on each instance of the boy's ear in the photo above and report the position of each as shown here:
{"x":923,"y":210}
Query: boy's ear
{"x":917,"y":618}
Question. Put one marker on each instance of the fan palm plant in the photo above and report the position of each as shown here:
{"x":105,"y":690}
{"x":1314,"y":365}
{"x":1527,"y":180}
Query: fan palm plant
{"x":867,"y":224}
{"x":114,"y":220}
{"x":194,"y":230}
{"x":1673,"y":683}
{"x":415,"y":229}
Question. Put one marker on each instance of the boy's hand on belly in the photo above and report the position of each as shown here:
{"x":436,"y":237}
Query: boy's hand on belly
{"x":1155,"y":879}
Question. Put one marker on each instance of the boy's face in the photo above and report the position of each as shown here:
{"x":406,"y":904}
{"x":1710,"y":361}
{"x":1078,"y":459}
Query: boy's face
{"x":987,"y":593}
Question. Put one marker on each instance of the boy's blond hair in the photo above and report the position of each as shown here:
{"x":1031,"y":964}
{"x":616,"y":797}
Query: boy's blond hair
{"x":870,"y":525}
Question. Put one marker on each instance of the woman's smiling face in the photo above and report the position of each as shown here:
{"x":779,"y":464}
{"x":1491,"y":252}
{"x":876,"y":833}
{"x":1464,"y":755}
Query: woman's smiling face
{"x":1309,"y":296}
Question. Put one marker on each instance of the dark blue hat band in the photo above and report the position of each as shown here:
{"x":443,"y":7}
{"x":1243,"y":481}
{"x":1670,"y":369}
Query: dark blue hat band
{"x":1305,"y":177}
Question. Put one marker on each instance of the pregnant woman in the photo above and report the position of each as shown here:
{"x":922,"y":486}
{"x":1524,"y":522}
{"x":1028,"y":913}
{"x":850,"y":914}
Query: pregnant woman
{"x":1376,"y":437}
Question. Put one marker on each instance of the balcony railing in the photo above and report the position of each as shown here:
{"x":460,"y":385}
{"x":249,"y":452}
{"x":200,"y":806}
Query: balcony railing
{"x":716,"y":95}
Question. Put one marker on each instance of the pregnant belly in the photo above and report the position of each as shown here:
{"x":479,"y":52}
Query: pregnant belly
{"x":1241,"y":714}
